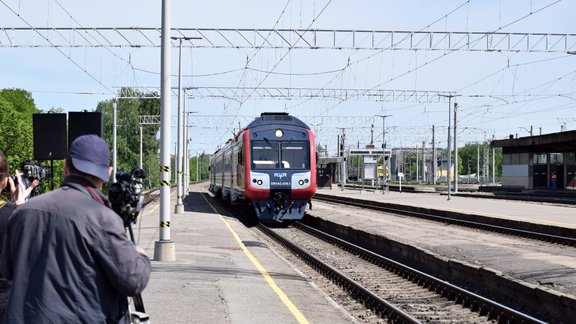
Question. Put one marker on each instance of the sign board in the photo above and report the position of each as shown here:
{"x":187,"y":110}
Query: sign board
{"x":370,"y":160}
{"x":369,"y":172}
{"x":370,"y":152}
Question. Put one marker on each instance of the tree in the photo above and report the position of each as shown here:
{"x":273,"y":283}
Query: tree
{"x":204,"y":164}
{"x":470,"y":154}
{"x":128,"y":132}
{"x":17,"y":108}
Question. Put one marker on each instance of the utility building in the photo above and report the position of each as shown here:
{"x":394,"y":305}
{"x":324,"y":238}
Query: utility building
{"x":539,"y":162}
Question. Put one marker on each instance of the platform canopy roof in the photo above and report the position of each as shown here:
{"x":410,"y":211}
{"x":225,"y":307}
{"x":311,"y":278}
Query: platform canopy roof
{"x":553,"y":143}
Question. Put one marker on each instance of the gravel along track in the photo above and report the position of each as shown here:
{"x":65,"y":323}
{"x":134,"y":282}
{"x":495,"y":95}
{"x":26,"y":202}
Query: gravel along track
{"x":412,"y":298}
{"x":525,"y":274}
{"x":523,"y":259}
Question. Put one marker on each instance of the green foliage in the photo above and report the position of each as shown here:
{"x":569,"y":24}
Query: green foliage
{"x":469,"y":155}
{"x":17,"y":107}
{"x":204,"y":163}
{"x":128,"y":114}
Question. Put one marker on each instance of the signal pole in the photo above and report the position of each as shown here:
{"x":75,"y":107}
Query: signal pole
{"x":384,"y":174}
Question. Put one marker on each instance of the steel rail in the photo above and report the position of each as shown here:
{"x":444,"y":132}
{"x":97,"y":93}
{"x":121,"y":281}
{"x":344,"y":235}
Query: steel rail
{"x":477,"y":303}
{"x":360,"y":293}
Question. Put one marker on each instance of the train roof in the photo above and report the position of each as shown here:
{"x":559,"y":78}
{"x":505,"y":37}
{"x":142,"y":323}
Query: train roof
{"x":268,"y":118}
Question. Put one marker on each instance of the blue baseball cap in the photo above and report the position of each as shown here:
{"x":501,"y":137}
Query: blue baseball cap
{"x":90,"y":154}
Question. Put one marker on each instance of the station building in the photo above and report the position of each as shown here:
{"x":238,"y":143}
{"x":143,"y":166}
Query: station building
{"x":539,"y":162}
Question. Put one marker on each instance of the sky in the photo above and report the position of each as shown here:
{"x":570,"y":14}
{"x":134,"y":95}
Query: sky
{"x":499,"y":93}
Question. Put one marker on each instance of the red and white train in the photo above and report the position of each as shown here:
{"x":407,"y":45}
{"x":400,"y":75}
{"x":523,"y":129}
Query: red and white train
{"x":270,"y":164}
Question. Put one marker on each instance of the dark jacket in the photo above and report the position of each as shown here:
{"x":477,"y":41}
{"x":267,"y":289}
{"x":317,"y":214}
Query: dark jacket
{"x":70,"y":260}
{"x":6,"y":210}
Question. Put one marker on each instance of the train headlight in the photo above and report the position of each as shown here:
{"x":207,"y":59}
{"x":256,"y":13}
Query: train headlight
{"x":259,"y":182}
{"x":301,"y":180}
{"x":279,"y":133}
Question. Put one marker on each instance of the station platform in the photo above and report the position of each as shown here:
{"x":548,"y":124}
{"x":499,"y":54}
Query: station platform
{"x":526,"y":211}
{"x":223,"y":273}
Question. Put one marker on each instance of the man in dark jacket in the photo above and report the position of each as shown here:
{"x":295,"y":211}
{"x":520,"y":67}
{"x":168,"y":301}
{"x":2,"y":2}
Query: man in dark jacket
{"x":67,"y":253}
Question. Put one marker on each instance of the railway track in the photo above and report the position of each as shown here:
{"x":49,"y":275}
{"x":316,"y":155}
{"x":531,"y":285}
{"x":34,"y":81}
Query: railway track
{"x":388,"y":289}
{"x":392,"y":290}
{"x":546,"y":234}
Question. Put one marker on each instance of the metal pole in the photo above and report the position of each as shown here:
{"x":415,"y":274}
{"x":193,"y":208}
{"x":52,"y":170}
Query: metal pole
{"x":140,"y":146}
{"x":180,"y":158}
{"x":197,"y":167}
{"x":114,"y":147}
{"x":455,"y":151}
{"x":164,"y":249}
{"x":186,"y":153}
{"x":478,"y":162}
{"x":434,"y":157}
{"x":494,"y":161}
{"x":449,"y":139}
{"x":384,"y":175}
{"x":449,"y":142}
{"x":417,"y":165}
{"x":343,"y":164}
{"x":424,"y":161}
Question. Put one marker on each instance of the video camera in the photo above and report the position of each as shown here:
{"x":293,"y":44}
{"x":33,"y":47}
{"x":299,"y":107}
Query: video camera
{"x":127,"y":200}
{"x":31,"y":171}
{"x":126,"y":195}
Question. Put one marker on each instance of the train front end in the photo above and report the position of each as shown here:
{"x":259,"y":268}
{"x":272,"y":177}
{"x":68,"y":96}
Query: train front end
{"x":281,"y":179}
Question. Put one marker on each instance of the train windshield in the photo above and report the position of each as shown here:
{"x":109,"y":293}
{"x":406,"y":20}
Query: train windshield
{"x":292,"y":154}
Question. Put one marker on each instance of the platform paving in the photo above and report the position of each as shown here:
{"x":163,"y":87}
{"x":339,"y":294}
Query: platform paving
{"x":537,"y":212}
{"x":223,"y":273}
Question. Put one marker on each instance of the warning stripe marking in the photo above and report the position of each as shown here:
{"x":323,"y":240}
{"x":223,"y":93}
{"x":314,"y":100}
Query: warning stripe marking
{"x":287,"y":302}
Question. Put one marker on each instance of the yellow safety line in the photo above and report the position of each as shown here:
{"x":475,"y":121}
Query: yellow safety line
{"x":293,"y":309}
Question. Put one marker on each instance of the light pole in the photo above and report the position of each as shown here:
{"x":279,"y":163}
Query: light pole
{"x":114,"y":139}
{"x":164,"y":248}
{"x":526,"y":129}
{"x":187,"y":150}
{"x":450,"y":96}
{"x":456,"y":173}
{"x":384,"y":174}
{"x":180,"y":156}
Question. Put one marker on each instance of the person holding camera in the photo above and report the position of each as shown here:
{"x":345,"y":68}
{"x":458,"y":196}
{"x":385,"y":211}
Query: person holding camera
{"x":14,"y":195}
{"x":67,"y":253}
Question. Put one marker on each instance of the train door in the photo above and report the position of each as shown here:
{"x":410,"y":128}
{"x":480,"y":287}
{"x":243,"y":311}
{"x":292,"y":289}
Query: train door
{"x":570,"y":159}
{"x":557,"y":170}
{"x":571,"y":177}
{"x":540,"y":170}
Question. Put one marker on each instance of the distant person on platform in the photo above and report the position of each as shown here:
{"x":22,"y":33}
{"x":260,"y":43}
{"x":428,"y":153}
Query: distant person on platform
{"x":554,"y":178}
{"x":67,"y":253}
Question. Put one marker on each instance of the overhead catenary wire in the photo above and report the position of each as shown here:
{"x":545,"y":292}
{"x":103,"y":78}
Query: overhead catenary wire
{"x":450,"y":52}
{"x":58,"y":49}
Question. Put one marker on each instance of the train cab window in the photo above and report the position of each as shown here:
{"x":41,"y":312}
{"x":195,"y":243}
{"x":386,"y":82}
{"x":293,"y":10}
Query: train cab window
{"x":264,"y":155}
{"x":295,"y":155}
{"x":280,"y":155}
